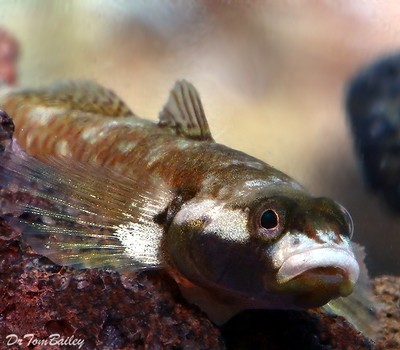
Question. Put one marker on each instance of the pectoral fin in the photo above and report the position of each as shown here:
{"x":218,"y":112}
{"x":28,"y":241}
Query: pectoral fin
{"x":359,"y":308}
{"x":84,"y":216}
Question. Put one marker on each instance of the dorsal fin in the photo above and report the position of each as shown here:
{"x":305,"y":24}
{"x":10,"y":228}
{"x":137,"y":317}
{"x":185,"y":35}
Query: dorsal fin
{"x":81,"y":95}
{"x":184,"y":113}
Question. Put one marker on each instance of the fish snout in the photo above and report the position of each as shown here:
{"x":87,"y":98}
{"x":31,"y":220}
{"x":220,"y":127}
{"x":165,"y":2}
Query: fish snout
{"x":318,"y":275}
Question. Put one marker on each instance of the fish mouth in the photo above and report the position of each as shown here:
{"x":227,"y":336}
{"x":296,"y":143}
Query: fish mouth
{"x":325,"y":268}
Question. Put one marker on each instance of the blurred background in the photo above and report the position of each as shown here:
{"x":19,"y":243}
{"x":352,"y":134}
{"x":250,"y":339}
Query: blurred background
{"x":272,"y":76}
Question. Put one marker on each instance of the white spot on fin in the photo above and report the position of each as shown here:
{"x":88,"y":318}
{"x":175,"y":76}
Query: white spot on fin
{"x":184,"y":113}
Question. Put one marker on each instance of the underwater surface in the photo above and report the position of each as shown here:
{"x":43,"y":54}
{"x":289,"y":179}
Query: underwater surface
{"x":274,"y":79}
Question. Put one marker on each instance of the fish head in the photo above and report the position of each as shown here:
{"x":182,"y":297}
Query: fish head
{"x":313,"y":256}
{"x":278,"y":249}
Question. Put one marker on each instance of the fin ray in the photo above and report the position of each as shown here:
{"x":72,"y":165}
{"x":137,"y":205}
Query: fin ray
{"x":184,"y":113}
{"x":81,"y":95}
{"x":359,"y":308}
{"x":83,"y":215}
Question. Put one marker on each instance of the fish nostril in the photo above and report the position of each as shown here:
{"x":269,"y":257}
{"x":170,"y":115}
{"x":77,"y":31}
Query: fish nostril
{"x":296,"y":241}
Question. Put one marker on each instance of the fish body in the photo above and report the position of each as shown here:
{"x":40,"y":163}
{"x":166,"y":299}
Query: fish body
{"x":234,"y":232}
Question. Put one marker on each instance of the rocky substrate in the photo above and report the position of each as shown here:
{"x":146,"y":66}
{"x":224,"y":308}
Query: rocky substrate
{"x":387,"y":290}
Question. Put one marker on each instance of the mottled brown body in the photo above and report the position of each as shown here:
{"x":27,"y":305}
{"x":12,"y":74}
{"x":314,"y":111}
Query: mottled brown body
{"x":108,"y":134}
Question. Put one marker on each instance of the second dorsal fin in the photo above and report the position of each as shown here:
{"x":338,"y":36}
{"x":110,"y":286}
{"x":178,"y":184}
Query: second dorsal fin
{"x":184,"y":113}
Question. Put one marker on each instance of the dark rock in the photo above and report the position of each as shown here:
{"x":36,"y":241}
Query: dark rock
{"x":284,"y":330}
{"x":6,"y":130}
{"x":373,"y":108}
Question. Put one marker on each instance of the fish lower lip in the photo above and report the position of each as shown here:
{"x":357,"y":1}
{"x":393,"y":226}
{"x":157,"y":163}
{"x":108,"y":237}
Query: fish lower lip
{"x":321,"y":262}
{"x":325,"y":275}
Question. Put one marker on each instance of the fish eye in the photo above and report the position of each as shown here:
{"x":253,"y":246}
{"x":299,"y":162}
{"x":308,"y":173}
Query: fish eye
{"x":269,"y":219}
{"x":269,"y":224}
{"x":349,"y":221}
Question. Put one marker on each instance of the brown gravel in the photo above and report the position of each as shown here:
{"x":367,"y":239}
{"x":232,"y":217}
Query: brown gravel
{"x":387,"y":288}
